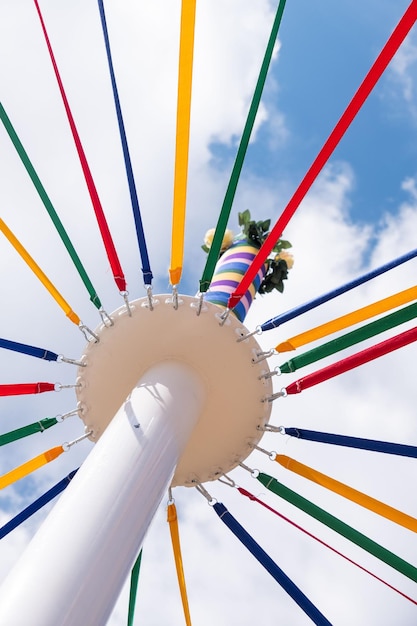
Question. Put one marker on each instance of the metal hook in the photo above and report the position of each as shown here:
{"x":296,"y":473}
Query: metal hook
{"x":175,"y":297}
{"x":261,"y":356}
{"x":68,"y":444}
{"x":253,"y":472}
{"x":268,"y":428}
{"x":88,"y":334}
{"x":150,"y":297}
{"x":63,"y":359}
{"x":223,"y":317}
{"x":124,"y":295}
{"x":170,"y":498}
{"x":257,"y":331}
{"x":105,"y":318}
{"x":272,"y":455}
{"x":62,"y":417}
{"x":226,"y":480}
{"x":200,"y":302}
{"x":212,"y":501}
{"x":275,"y":396}
{"x":275,"y":372}
{"x":59,"y":387}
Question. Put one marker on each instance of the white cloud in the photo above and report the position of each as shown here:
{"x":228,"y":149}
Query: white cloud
{"x":403,"y":73}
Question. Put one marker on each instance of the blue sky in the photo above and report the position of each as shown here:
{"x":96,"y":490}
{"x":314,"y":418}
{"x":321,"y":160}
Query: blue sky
{"x":312,"y":83}
{"x":360,"y":213}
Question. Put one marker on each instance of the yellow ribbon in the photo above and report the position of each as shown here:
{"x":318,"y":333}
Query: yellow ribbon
{"x":39,"y":273}
{"x":348,"y":492}
{"x":386,"y":304}
{"x":185,"y":73}
{"x":30,"y":466}
{"x":175,"y":539}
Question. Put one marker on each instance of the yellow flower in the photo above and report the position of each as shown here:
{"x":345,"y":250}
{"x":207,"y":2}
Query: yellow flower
{"x":287,"y":257}
{"x":227,"y":239}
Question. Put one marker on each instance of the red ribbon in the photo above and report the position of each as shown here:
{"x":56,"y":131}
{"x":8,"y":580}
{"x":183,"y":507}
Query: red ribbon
{"x":22,"y":389}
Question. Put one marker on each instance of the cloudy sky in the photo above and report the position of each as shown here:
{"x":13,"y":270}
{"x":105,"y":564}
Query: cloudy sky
{"x":360,"y":213}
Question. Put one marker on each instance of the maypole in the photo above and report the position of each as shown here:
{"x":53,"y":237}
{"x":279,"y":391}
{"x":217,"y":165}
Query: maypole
{"x":174,"y":426}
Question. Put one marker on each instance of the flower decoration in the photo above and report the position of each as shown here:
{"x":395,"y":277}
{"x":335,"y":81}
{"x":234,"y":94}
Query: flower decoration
{"x":226,"y":243}
{"x":254,"y":233}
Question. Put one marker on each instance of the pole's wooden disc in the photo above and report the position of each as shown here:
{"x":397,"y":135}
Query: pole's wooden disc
{"x":235,"y":389}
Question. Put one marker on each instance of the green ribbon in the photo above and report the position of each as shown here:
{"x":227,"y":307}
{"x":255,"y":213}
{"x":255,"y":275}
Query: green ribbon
{"x":338,"y":526}
{"x":134,"y":578}
{"x":25,"y":431}
{"x":48,"y":206}
{"x":215,"y":247}
{"x":349,"y":339}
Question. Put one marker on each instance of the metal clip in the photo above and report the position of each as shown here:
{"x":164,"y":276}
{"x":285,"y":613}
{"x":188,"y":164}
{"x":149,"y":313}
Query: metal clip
{"x":226,"y":480}
{"x":199,"y":304}
{"x":261,"y":356}
{"x":59,"y":387}
{"x":272,"y":455}
{"x":88,"y":334}
{"x":62,"y":417}
{"x":175,"y":297}
{"x":68,"y":444}
{"x":268,"y":428}
{"x":212,"y":501}
{"x":124,"y":295}
{"x":170,"y":498}
{"x":253,"y":472}
{"x":257,"y":331}
{"x":223,"y":317}
{"x":63,"y":359}
{"x":150,"y":297}
{"x":105,"y":318}
{"x":275,"y":372}
{"x":275,"y":396}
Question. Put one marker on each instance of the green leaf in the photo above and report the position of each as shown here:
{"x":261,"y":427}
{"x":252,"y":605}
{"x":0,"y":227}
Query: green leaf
{"x":265,"y":225}
{"x":285,"y":244}
{"x":205,"y":248}
{"x":244,"y":217}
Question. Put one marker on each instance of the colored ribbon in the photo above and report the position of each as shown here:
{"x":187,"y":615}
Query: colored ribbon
{"x":338,"y":526}
{"x":22,"y":389}
{"x":249,"y":495}
{"x":37,"y":505}
{"x":185,"y":75}
{"x":359,"y":443}
{"x":276,"y":321}
{"x":39,"y":273}
{"x":394,"y":41}
{"x":30,"y":466}
{"x":215,"y":247}
{"x":146,"y":269}
{"x":176,"y":546}
{"x":134,"y":579}
{"x":350,"y":339}
{"x":364,"y":313}
{"x":380,"y":508}
{"x":39,"y":353}
{"x":98,"y":210}
{"x":25,"y":431}
{"x":49,"y":207}
{"x":265,"y":560}
{"x":355,"y":360}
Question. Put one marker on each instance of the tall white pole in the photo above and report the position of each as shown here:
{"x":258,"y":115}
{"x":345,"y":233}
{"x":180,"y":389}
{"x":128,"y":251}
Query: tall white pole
{"x":74,"y":568}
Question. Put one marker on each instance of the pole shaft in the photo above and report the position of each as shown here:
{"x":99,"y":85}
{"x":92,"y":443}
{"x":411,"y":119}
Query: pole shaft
{"x":88,"y":543}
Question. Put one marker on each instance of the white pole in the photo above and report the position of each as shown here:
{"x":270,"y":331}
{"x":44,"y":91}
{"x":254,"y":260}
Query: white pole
{"x":73,"y":570}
